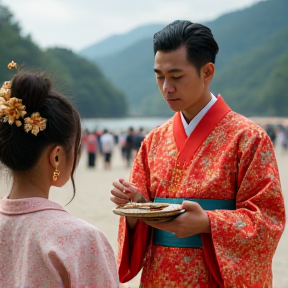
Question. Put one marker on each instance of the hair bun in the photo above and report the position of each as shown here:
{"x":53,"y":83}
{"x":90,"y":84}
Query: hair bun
{"x":33,"y":89}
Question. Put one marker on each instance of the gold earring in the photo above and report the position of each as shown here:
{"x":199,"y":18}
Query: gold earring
{"x":56,"y":174}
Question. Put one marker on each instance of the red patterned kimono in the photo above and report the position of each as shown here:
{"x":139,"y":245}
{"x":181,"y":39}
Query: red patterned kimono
{"x":226,"y":157}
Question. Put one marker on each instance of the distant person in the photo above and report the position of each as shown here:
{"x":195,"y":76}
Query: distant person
{"x":41,"y":244}
{"x":270,"y":130}
{"x":139,"y":137}
{"x":219,"y":166}
{"x":98,"y":134}
{"x":84,"y":137}
{"x":116,"y":138}
{"x":91,"y":145}
{"x":107,"y":143}
{"x":122,"y":144}
{"x":129,"y":146}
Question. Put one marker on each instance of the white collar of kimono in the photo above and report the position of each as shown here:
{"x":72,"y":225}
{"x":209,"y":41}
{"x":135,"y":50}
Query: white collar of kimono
{"x":191,"y":126}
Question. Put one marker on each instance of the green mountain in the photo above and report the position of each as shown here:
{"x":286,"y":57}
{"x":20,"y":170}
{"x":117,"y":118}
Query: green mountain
{"x":252,"y":54}
{"x":134,"y":67}
{"x":116,"y":43}
{"x":243,"y":30}
{"x":258,"y":81}
{"x":77,"y":78}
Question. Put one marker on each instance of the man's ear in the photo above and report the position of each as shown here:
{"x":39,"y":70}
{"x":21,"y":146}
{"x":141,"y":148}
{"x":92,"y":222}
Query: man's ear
{"x":54,"y":156}
{"x":208,"y":72}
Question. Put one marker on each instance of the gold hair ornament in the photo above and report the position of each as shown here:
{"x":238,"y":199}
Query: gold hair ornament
{"x":12,"y":64}
{"x":12,"y":109}
{"x":34,"y":123}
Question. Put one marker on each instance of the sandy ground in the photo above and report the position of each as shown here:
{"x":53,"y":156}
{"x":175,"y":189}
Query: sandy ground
{"x":92,"y":203}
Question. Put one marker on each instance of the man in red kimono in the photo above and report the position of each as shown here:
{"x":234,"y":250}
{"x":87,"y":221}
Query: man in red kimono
{"x":218,"y":164}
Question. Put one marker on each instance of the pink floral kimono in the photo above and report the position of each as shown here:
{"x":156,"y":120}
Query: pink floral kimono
{"x":41,"y":245}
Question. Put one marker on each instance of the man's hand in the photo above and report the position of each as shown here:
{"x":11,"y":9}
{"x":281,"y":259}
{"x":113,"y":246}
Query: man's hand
{"x":124,"y":192}
{"x":193,"y":221}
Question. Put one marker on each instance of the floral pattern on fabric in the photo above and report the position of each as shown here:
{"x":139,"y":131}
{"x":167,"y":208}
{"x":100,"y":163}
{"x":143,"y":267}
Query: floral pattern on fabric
{"x":44,"y":246}
{"x":236,"y":161}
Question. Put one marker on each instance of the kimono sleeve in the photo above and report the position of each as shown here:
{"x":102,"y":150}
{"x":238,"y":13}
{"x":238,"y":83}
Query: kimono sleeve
{"x":133,"y":244}
{"x":83,"y":258}
{"x":244,"y":241}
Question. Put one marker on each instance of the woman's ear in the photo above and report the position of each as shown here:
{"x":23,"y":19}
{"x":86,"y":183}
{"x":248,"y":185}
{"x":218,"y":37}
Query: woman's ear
{"x":55,"y":156}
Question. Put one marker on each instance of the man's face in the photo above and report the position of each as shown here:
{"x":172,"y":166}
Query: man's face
{"x":179,"y":82}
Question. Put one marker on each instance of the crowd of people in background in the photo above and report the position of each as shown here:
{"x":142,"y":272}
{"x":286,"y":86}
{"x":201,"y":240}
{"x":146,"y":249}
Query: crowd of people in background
{"x":102,"y":143}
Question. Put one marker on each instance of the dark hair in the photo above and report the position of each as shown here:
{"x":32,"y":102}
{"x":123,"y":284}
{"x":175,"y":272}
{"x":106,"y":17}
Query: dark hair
{"x":198,"y":39}
{"x":19,"y":150}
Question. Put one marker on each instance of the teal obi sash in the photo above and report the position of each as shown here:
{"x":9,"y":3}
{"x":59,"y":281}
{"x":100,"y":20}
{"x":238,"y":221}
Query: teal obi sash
{"x":165,"y":238}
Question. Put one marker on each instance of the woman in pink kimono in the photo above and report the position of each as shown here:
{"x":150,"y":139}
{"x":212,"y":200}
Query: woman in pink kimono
{"x":41,"y":244}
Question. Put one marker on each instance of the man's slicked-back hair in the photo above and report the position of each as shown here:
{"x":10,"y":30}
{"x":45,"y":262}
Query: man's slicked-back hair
{"x":196,"y":38}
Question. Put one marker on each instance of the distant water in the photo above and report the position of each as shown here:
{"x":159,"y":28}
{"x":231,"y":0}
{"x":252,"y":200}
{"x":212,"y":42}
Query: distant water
{"x":122,"y":124}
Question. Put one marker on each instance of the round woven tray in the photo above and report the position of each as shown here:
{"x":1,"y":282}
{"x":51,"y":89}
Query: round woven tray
{"x":151,"y":215}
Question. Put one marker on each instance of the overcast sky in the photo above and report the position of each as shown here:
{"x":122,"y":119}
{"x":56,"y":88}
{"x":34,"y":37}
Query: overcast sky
{"x":77,"y":24}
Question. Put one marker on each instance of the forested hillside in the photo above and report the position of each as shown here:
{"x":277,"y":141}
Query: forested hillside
{"x":256,"y":82}
{"x":251,"y":67}
{"x":78,"y":79}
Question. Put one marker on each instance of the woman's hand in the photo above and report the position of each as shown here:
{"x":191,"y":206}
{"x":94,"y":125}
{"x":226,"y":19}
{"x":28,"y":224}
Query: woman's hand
{"x":193,"y":221}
